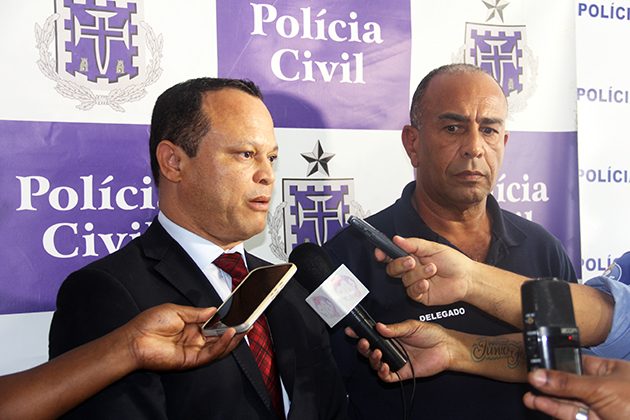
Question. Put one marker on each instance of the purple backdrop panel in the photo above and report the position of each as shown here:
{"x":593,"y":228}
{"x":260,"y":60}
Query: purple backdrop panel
{"x":539,"y":181}
{"x":329,"y":65}
{"x":71,"y":193}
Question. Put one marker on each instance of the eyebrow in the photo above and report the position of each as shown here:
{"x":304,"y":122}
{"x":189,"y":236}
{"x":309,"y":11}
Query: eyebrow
{"x":452,"y":116}
{"x":253,"y":142}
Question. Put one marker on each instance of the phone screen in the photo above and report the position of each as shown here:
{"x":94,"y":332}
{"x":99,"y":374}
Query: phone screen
{"x":255,"y":290}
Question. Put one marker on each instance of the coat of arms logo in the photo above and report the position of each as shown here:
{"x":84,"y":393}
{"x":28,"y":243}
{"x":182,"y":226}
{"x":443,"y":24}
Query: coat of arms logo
{"x":312,"y":210}
{"x":101,"y":46}
{"x":502,"y":50}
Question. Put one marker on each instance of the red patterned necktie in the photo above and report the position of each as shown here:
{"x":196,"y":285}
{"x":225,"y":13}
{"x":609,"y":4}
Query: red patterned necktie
{"x":259,"y":337}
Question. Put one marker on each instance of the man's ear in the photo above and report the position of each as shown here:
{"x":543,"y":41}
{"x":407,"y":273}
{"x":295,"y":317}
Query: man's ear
{"x":169,"y":157}
{"x":410,"y":138}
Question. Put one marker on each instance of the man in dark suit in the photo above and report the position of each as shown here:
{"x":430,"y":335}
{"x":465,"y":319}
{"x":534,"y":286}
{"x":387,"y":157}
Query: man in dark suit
{"x":212,"y":148}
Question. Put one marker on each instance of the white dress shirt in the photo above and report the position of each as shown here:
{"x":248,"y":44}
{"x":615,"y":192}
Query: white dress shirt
{"x":203,"y":253}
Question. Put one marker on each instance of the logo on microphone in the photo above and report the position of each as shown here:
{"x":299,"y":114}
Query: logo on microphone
{"x":340,"y":293}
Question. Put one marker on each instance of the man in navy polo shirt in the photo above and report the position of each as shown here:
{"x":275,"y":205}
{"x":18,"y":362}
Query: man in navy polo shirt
{"x":456,"y":142}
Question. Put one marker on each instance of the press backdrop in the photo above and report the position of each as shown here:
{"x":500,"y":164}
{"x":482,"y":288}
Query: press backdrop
{"x":79,"y":79}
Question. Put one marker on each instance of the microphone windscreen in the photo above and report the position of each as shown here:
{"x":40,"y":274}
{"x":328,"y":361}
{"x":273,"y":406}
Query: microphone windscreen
{"x":313,"y":265}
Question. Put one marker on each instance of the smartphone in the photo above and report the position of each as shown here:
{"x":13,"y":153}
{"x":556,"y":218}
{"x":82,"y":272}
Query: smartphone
{"x":377,"y":238}
{"x":552,"y":339}
{"x":250,"y":299}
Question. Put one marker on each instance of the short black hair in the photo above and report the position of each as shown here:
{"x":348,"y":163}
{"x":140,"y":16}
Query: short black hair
{"x":415,"y":112}
{"x":178,"y":116}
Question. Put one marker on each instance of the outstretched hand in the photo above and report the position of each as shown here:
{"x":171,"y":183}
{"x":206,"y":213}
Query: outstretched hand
{"x":434,"y":274}
{"x":168,"y":337}
{"x":604,"y":389}
{"x":427,"y":345}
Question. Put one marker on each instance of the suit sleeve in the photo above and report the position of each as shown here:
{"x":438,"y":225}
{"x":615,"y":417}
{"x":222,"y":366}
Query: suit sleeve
{"x":90,"y":304}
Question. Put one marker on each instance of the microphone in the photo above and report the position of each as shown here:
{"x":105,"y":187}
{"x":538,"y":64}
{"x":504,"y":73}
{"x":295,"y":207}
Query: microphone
{"x":314,"y":267}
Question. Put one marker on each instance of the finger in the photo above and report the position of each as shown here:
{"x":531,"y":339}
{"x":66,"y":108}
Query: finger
{"x":375,"y":359}
{"x":224,"y":345}
{"x":408,"y":245}
{"x":400,"y":266}
{"x":363,"y":346}
{"x":385,"y":374}
{"x":416,"y":246}
{"x":192,"y":315}
{"x":557,"y":408}
{"x":417,"y":273}
{"x":595,"y":366}
{"x":381,"y":256}
{"x":350,"y":333}
{"x":384,"y":330}
{"x":561,"y":384}
{"x":401,"y":329}
{"x":388,"y":376}
{"x":417,"y":290}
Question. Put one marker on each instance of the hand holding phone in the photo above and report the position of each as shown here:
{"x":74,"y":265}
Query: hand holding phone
{"x":250,"y":299}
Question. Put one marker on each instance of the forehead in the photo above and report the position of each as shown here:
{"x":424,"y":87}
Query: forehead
{"x":465,"y":93}
{"x":237,"y":115}
{"x":229,"y":103}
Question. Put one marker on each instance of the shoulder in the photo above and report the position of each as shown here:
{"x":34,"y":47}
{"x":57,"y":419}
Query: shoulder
{"x":533,"y":251}
{"x":534,"y":232}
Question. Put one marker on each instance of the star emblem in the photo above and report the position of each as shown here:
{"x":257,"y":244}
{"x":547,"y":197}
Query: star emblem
{"x":495,"y":9}
{"x":317,"y":160}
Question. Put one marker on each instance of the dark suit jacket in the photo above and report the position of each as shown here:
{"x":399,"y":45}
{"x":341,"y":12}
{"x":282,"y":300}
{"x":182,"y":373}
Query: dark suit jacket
{"x":154,"y":269}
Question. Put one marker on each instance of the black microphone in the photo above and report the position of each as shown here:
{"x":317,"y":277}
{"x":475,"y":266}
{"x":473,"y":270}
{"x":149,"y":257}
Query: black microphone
{"x":314,"y":267}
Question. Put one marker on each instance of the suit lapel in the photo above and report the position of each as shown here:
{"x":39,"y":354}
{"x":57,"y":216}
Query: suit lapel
{"x":176,"y":266}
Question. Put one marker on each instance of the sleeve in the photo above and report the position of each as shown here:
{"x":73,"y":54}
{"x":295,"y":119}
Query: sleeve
{"x":617,"y":344}
{"x":90,"y":304}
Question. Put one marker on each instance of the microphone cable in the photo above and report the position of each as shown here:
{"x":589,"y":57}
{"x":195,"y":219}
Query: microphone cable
{"x":406,"y":411}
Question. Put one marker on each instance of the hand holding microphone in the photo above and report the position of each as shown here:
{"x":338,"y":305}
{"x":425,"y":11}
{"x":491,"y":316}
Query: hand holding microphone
{"x":314,"y":268}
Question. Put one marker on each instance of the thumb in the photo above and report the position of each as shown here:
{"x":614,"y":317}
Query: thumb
{"x":192,"y":315}
{"x":561,"y":384}
{"x":402,"y":329}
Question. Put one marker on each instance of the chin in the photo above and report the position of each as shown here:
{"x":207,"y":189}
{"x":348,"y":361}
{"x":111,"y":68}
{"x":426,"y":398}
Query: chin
{"x":255,"y":229}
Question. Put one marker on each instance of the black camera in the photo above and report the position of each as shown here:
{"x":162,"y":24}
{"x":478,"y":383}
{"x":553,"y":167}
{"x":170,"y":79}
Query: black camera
{"x":552,"y":339}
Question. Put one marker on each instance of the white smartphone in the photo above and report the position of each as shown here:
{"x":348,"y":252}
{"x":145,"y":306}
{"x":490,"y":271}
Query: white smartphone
{"x":250,"y":299}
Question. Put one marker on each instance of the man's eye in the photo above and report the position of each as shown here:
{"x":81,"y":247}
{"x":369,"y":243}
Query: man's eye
{"x":488,"y":130}
{"x":272,"y":159}
{"x":451,"y":128}
{"x":247,"y":154}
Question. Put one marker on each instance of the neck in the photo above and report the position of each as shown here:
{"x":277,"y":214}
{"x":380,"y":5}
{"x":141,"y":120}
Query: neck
{"x":468,"y":228}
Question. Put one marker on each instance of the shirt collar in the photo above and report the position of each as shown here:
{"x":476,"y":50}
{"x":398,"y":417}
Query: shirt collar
{"x":202,"y":251}
{"x":504,"y":233}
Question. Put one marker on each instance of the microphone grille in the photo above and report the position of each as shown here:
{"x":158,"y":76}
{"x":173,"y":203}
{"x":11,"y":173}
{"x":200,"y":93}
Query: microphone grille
{"x":313,"y":263}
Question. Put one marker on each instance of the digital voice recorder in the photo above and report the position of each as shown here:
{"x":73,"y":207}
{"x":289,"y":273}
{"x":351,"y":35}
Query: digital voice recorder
{"x":552,"y":339}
